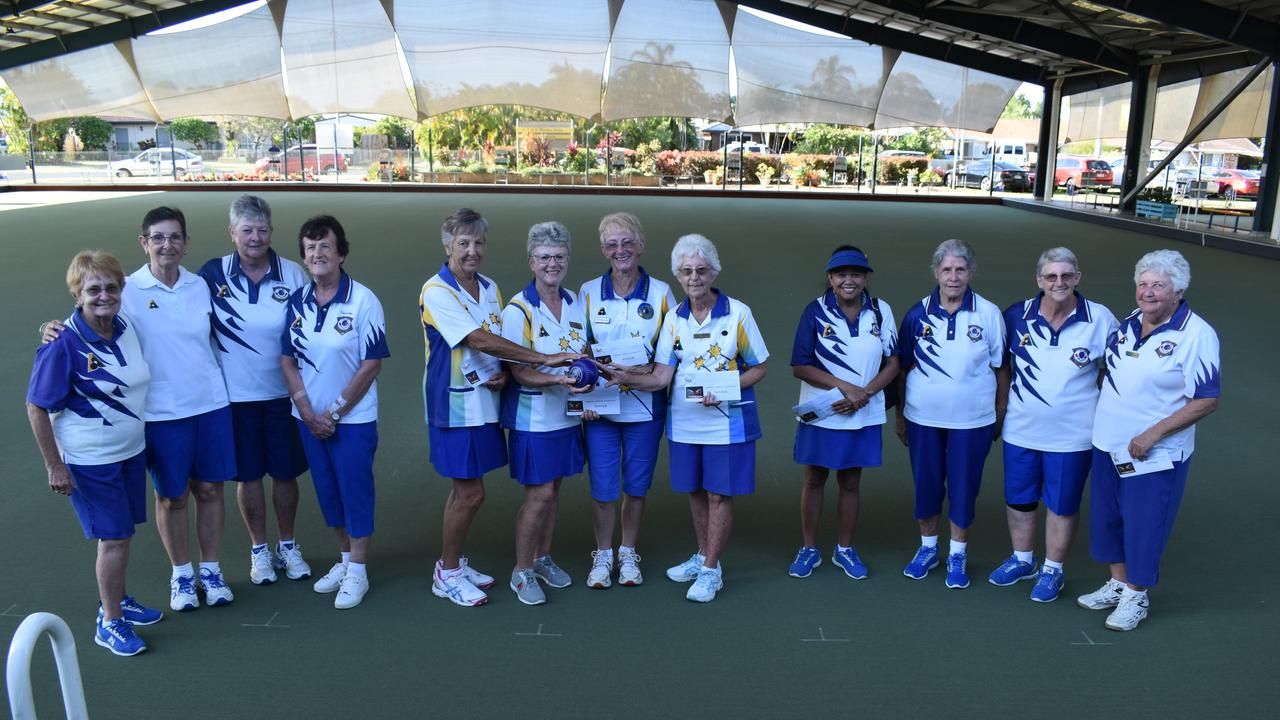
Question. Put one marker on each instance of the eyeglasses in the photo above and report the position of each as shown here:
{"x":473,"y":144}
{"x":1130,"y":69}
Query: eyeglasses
{"x":1052,"y":278}
{"x":159,"y":239}
{"x":548,"y":259}
{"x":685,"y":272}
{"x":611,"y":245}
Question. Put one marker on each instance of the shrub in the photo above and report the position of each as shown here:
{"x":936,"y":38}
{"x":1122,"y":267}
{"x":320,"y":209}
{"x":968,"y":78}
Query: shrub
{"x":478,"y":168}
{"x":897,"y":170}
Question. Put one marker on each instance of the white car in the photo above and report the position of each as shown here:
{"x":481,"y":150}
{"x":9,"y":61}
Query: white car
{"x":159,"y":161}
{"x":749,"y":147}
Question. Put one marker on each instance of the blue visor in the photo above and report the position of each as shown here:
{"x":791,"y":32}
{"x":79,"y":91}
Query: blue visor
{"x":848,"y":258}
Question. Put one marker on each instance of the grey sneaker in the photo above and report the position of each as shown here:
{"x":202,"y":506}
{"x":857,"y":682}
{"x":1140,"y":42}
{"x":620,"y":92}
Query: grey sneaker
{"x":550,"y":573}
{"x":525,"y":584}
{"x":289,"y":559}
{"x":704,"y":589}
{"x":1105,"y":597}
{"x":688,"y":570}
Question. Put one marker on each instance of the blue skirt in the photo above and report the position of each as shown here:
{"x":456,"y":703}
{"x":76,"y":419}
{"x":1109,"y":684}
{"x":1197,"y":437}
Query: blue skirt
{"x":538,"y":458}
{"x":838,"y":449}
{"x":467,"y":453}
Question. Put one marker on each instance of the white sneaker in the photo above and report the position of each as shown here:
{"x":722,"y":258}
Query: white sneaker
{"x":261,"y":567}
{"x":182,"y":593}
{"x":457,"y":586}
{"x":477,"y":578}
{"x":332,"y":580}
{"x":601,"y":575}
{"x":688,"y":570}
{"x":216,"y":590}
{"x":1131,"y":610}
{"x":290,"y":560}
{"x":1107,"y":596}
{"x":704,"y":588}
{"x":351,"y":591}
{"x":629,"y":568}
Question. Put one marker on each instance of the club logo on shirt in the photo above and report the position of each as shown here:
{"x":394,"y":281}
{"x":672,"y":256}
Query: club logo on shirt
{"x":975,"y":333}
{"x":676,"y":345}
{"x":601,"y":312}
{"x":828,"y":331}
{"x":280,"y":294}
{"x":151,"y":305}
{"x":344,"y":324}
{"x":875,"y":329}
{"x":223,"y":291}
{"x":645,"y":311}
{"x":1025,"y":340}
{"x":92,"y":362}
{"x":1080,"y":356}
{"x":542,"y":332}
{"x":1165,"y":349}
{"x":926,"y":330}
{"x":297,"y":323}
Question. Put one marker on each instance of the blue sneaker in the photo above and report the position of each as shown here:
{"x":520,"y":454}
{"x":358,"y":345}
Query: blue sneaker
{"x":1049,"y":585}
{"x":849,"y":561}
{"x":1011,"y":571}
{"x":806,"y":560}
{"x":925,"y":560}
{"x":118,"y":637}
{"x":957,"y":574}
{"x":135,"y":613}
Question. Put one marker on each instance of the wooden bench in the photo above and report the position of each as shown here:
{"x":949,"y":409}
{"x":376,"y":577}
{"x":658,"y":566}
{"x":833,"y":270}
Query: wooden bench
{"x":1156,"y":210}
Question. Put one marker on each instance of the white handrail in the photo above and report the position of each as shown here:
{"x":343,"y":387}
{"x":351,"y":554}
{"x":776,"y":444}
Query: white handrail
{"x":18,"y":671}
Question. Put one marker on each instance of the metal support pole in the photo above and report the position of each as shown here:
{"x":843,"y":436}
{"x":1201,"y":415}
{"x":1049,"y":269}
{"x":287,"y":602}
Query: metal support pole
{"x":413,"y":152}
{"x":431,"y":154}
{"x":991,"y":184}
{"x":875,"y":160}
{"x":337,"y":167}
{"x":173,"y":155}
{"x":1264,"y":215}
{"x":1137,"y":147}
{"x":31,"y":152}
{"x":1047,"y":158}
{"x":724,"y":165}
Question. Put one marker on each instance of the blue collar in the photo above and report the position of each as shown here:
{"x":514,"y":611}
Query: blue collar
{"x":1080,"y":315}
{"x":829,"y":299}
{"x":447,"y":275}
{"x":342,"y":296}
{"x":273,"y":260}
{"x":640,"y":292}
{"x":1177,"y":321}
{"x":531,"y":295}
{"x":934,"y":302}
{"x":91,"y":335}
{"x":720,"y":309}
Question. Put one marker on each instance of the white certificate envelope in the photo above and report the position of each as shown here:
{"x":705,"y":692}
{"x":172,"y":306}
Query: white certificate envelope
{"x":478,"y":367}
{"x":1128,"y":466}
{"x":604,"y":400}
{"x":818,"y":407}
{"x":724,"y":384}
{"x":627,"y":351}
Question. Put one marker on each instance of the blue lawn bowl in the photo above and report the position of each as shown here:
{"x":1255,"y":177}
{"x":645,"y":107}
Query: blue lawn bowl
{"x":583,"y":372}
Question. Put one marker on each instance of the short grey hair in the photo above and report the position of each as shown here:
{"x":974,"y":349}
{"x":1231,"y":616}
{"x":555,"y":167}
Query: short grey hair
{"x":694,"y":246}
{"x":463,"y":221}
{"x":1058,"y":254}
{"x":1169,"y":263}
{"x":624,"y":221}
{"x":953,"y":248}
{"x":250,"y":207}
{"x":548,"y":234}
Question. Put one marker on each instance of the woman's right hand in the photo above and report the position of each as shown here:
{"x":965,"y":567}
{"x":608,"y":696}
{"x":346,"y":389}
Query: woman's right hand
{"x":50,"y":331}
{"x":60,"y":479}
{"x":320,"y":426}
{"x":562,"y":359}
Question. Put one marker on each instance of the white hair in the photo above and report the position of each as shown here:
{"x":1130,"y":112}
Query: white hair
{"x":953,"y":248}
{"x":1169,"y":263}
{"x":1058,"y":254}
{"x":694,"y":246}
{"x":548,"y":234}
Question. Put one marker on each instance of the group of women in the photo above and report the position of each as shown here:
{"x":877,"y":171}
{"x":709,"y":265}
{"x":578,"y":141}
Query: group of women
{"x":249,"y":369}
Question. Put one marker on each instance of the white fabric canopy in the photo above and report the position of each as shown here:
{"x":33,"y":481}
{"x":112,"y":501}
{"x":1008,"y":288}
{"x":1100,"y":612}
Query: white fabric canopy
{"x":97,"y":81}
{"x":923,"y":91}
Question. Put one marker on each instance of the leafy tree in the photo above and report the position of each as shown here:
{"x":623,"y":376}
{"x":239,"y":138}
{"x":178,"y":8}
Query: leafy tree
{"x":398,"y":131}
{"x":926,"y":140}
{"x":94,"y":133}
{"x":13,"y":121}
{"x":1020,"y":107}
{"x":251,"y":132}
{"x":823,"y":139}
{"x":194,"y":131}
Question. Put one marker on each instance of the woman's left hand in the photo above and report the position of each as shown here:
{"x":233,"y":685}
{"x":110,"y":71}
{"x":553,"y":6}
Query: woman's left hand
{"x":1141,"y":445}
{"x":497,"y":382}
{"x":60,"y":479}
{"x":855,"y":398}
{"x":590,"y":415}
{"x":709,"y":400}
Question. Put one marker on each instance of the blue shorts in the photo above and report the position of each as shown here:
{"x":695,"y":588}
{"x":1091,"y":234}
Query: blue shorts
{"x":110,"y":499}
{"x":267,"y":441}
{"x":342,"y":473}
{"x":838,"y":449}
{"x":621,"y":456}
{"x":200,"y":447}
{"x":538,"y":458}
{"x":948,"y":463}
{"x":1130,"y":519}
{"x":721,"y":469}
{"x":1056,"y":477}
{"x":467,"y":453}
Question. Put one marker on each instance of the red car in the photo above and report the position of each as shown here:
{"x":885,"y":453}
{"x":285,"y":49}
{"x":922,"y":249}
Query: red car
{"x":1081,"y":172}
{"x":1236,"y":183}
{"x":313,"y":159}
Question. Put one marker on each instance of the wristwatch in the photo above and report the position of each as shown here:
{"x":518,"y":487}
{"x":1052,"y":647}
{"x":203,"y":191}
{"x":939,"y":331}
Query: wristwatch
{"x":334,"y":416}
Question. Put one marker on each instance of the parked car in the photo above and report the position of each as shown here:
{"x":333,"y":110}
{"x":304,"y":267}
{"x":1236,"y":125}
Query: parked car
{"x":1078,"y":172}
{"x":1014,"y":153}
{"x":1117,"y":172}
{"x":977,"y":173}
{"x":903,"y":155}
{"x":1233,"y":183}
{"x":314,"y":160}
{"x":158,"y":161}
{"x":749,"y":147}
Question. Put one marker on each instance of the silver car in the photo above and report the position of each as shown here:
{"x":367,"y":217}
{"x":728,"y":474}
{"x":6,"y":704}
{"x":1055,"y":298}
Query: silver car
{"x":159,"y":161}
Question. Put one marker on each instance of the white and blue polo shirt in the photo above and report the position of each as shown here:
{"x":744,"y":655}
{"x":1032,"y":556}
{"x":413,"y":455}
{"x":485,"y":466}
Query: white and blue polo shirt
{"x":1148,"y":379}
{"x":247,"y":320}
{"x":527,"y":322}
{"x":173,"y":326}
{"x":1054,"y":390}
{"x":449,"y":315}
{"x":852,"y":351}
{"x":728,"y":340}
{"x":950,"y":356}
{"x":95,"y":390}
{"x":612,"y":317}
{"x":331,"y":341}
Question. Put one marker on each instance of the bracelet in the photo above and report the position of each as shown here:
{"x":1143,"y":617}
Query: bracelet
{"x":299,"y":395}
{"x":44,"y":326}
{"x":340,"y":402}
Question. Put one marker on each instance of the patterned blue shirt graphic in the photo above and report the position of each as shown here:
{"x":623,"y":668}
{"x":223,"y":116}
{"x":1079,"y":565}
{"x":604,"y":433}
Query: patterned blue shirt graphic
{"x":852,"y":351}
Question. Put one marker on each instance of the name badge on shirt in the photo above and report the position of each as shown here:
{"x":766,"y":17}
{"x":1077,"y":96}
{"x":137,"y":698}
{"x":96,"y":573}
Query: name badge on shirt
{"x":1131,"y":353}
{"x":701,"y":336}
{"x":575,"y":325}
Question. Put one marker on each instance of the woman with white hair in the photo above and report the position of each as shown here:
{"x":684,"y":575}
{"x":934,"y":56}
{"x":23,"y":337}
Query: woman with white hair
{"x":462,"y":327}
{"x":545,"y":441}
{"x":1056,"y":341}
{"x":1163,"y":376}
{"x":712,"y":441}
{"x":950,"y":343}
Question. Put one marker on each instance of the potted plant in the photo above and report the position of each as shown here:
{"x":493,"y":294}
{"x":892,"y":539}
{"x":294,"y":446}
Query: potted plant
{"x":764,"y":174}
